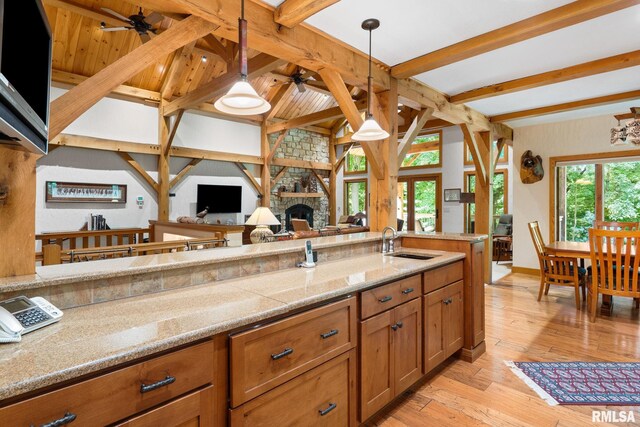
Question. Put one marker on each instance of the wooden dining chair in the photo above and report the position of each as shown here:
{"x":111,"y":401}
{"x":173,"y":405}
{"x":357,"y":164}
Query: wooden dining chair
{"x":616,"y":225}
{"x":615,"y":266}
{"x":557,"y":270}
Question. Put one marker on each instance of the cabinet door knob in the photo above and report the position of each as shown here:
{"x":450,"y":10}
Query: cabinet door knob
{"x":407,"y":291}
{"x":145,"y":388}
{"x":400,"y":324}
{"x":385,"y":299}
{"x":447,"y":301}
{"x":394,"y":327}
{"x":285,"y":352}
{"x":324,"y":412}
{"x":66,"y":419}
{"x":329,"y":334}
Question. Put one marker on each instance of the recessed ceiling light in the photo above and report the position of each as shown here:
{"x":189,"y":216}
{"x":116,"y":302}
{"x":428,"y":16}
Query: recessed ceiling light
{"x":204,"y":58}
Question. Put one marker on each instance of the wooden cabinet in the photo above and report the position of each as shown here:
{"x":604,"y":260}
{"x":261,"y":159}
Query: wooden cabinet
{"x":390,"y":355}
{"x":443,"y":324}
{"x":323,"y":396}
{"x":266,"y":357}
{"x":120,"y":394}
{"x":192,"y":410}
{"x":384,"y":297}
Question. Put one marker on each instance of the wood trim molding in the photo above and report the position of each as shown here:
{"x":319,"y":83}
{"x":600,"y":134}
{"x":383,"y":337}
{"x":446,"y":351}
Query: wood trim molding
{"x":525,"y":270}
{"x":546,"y":22}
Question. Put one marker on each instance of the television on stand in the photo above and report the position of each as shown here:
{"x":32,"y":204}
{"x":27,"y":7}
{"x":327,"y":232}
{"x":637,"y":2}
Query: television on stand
{"x":25,"y":75}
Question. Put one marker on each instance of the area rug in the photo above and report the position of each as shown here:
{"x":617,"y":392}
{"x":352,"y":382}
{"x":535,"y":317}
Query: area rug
{"x":582,"y":383}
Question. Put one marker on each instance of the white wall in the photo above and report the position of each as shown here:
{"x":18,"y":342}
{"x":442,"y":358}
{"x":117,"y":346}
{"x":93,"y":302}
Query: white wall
{"x":531,"y":201}
{"x":452,"y":171}
{"x":135,"y":122}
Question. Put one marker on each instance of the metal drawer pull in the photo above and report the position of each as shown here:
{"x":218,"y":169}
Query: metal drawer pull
{"x":286,"y":352}
{"x":329,"y":334}
{"x":407,"y":291}
{"x":324,"y":412}
{"x":68,"y":418}
{"x":385,"y":299}
{"x":146,"y":388}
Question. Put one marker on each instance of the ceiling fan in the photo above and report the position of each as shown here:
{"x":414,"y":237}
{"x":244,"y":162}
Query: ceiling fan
{"x":140,"y":23}
{"x":297,"y":79}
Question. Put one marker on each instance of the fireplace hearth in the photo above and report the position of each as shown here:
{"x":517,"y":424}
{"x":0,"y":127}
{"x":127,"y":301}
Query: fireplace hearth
{"x":299,"y":211}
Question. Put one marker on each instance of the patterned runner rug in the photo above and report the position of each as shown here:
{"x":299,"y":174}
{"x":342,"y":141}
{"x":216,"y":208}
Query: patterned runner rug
{"x":582,"y":383}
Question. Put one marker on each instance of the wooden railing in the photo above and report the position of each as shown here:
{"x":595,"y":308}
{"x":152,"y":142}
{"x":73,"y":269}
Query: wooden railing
{"x":72,"y":240}
{"x":54,"y":254}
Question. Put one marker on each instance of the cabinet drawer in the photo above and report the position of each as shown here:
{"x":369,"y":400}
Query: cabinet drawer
{"x":195,"y":409}
{"x":384,"y":297}
{"x":118,"y":395}
{"x":266,"y":357}
{"x":442,"y":276}
{"x":324,"y":396}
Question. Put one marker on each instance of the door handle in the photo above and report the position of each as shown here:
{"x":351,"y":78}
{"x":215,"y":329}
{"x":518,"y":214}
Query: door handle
{"x":144,"y":388}
{"x":329,"y":334}
{"x":407,"y":291}
{"x":285,"y":352}
{"x":385,"y":299}
{"x":324,"y":412}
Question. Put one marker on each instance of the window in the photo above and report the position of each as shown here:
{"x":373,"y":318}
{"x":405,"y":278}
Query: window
{"x":355,"y":196}
{"x":593,"y":189}
{"x":425,"y":151}
{"x":356,"y":161}
{"x":504,"y":154}
{"x":500,"y":197}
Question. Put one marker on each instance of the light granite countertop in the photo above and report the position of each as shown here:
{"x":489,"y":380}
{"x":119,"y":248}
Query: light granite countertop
{"x":99,"y":336}
{"x":439,"y":235}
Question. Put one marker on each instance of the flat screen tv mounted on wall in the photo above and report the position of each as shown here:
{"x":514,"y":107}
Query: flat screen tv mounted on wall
{"x":25,"y":74}
{"x":219,"y":198}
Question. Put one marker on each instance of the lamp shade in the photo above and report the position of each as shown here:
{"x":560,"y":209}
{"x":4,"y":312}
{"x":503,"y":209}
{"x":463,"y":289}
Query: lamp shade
{"x":633,"y":132}
{"x":242,"y":100}
{"x":370,"y":131}
{"x":262,"y":216}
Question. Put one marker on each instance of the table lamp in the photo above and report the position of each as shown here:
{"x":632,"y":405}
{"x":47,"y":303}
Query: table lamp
{"x":262,"y":217}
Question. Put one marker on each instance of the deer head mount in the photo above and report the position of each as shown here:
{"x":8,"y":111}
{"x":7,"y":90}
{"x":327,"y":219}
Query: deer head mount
{"x":531,"y":169}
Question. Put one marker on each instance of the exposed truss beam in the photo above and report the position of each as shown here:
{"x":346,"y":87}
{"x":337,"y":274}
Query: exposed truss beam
{"x":320,"y":180}
{"x":276,"y":145}
{"x":343,"y":157}
{"x":177,"y":67}
{"x":82,"y":10}
{"x":568,"y":106}
{"x":252,"y":180}
{"x":174,"y":130}
{"x":302,"y":164}
{"x":414,"y":129}
{"x":66,"y":78}
{"x":473,"y":143}
{"x":279,"y":176}
{"x":618,"y":62}
{"x":195,"y":153}
{"x":257,"y":67}
{"x":292,"y":12}
{"x":313,"y":118}
{"x":183,"y":173}
{"x":430,"y":125}
{"x":71,"y":105}
{"x":136,"y":166}
{"x":546,"y":22}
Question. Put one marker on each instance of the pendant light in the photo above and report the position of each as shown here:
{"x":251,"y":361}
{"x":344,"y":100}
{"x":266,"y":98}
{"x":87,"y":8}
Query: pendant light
{"x":242,"y":99}
{"x":370,"y":129}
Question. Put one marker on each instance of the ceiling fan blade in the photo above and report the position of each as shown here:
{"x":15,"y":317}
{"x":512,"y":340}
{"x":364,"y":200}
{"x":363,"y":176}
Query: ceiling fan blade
{"x":154,"y":18}
{"x":145,"y":37}
{"x":116,"y":14}
{"x":301,"y":87}
{"x":117,"y":28}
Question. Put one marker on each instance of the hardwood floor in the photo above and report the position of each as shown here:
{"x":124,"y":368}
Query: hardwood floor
{"x":520,"y":329}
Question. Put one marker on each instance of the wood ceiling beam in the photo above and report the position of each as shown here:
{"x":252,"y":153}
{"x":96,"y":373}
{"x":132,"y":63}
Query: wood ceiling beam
{"x":136,"y":166}
{"x":430,"y":125}
{"x":278,"y":95}
{"x":324,"y":185}
{"x":568,"y":106}
{"x":292,"y":12}
{"x":302,"y":164}
{"x":67,"y":108}
{"x":195,"y":153}
{"x":605,"y":65}
{"x":313,"y":118}
{"x":342,"y":95}
{"x":279,"y":176}
{"x":183,"y":173}
{"x":173,"y":131}
{"x":210,"y":111}
{"x":66,"y":78}
{"x":217,"y":48}
{"x":178,"y":65}
{"x":546,"y":22}
{"x":257,"y":67}
{"x":252,"y":180}
{"x":82,"y":10}
{"x":78,"y":141}
{"x":276,"y":145}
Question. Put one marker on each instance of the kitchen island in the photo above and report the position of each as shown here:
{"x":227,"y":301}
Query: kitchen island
{"x":224,"y":324}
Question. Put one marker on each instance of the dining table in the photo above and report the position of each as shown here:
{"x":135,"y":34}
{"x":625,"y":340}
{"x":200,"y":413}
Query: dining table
{"x":582,"y":251}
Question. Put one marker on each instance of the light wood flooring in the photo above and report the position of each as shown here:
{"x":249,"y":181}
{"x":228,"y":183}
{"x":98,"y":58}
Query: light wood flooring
{"x":520,"y":329}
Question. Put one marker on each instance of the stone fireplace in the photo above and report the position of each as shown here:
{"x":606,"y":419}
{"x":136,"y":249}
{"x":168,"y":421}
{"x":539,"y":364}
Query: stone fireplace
{"x":299,"y":211}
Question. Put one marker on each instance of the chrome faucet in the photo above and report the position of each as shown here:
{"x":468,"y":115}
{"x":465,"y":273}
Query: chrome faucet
{"x":387,"y":244}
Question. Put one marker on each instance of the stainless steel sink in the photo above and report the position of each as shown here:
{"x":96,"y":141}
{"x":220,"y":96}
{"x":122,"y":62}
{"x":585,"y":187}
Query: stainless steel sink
{"x":411,"y":256}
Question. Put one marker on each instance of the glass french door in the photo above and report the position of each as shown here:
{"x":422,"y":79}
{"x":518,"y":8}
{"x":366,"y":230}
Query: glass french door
{"x":419,"y":200}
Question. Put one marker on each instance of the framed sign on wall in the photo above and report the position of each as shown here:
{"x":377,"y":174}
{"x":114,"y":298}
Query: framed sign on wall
{"x":73,"y":192}
{"x":452,"y":194}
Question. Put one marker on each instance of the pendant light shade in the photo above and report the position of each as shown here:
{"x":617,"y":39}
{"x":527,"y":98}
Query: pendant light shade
{"x":370,"y":129}
{"x":242,"y":99}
